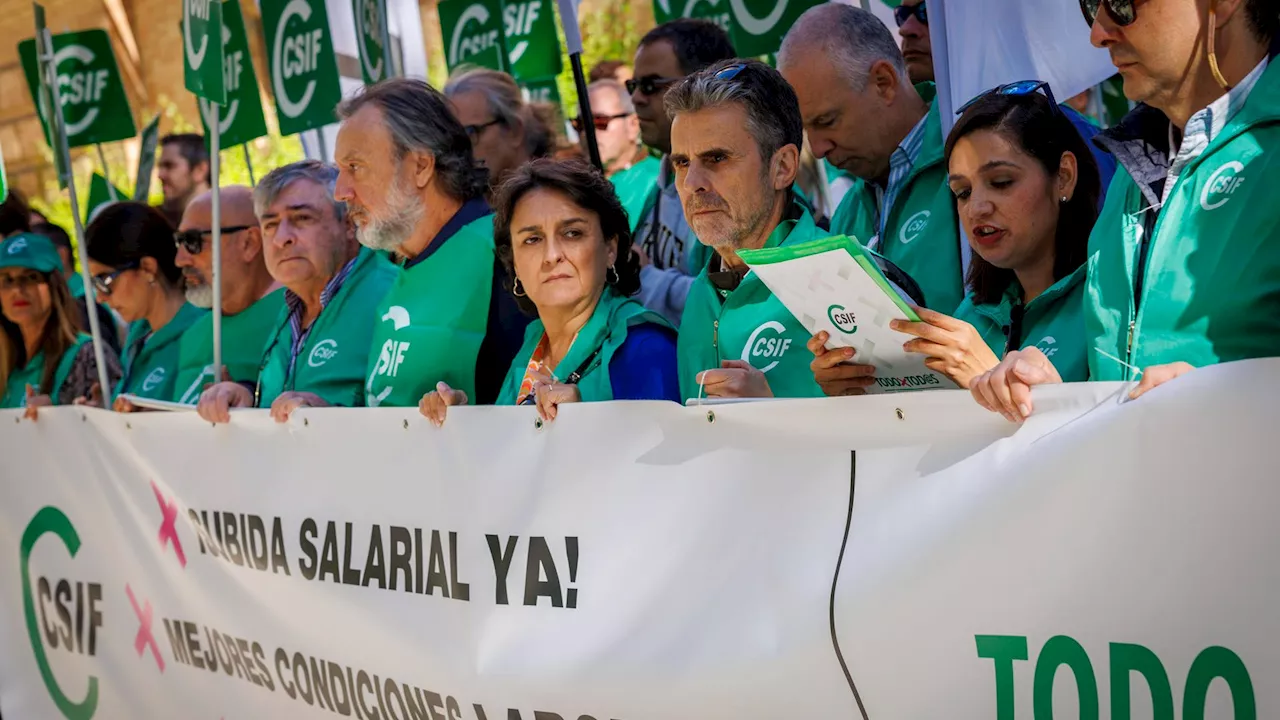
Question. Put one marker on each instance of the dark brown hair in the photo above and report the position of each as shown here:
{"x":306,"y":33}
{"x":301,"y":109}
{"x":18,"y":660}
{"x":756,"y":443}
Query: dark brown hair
{"x":1042,"y":131}
{"x":58,"y":337}
{"x":588,"y":189}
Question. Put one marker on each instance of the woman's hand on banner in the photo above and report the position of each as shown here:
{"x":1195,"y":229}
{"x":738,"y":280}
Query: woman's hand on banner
{"x":34,"y":403}
{"x":834,"y":370}
{"x":122,"y":405}
{"x":435,"y":404}
{"x":550,"y":394}
{"x":1157,"y":375}
{"x":284,"y":405}
{"x":216,"y":402}
{"x":1006,"y":389}
{"x":93,"y":400}
{"x":953,"y":346}
{"x":734,"y":379}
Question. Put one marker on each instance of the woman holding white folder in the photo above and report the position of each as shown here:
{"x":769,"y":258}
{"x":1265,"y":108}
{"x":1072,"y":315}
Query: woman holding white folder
{"x":1026,"y":190}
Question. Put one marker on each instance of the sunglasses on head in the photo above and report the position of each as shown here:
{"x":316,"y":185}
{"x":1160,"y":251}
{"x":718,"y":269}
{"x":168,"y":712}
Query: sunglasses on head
{"x":902,"y":13}
{"x":1123,"y":12}
{"x":649,"y":84}
{"x":103,"y":283}
{"x":1022,"y":87}
{"x":193,"y":240}
{"x":600,"y":121}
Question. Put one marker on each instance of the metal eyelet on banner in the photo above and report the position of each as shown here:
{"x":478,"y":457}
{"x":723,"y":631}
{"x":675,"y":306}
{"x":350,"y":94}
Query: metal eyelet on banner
{"x":901,"y":415}
{"x":537,"y":424}
{"x":406,"y":423}
{"x":711,"y":416}
{"x":306,"y":422}
{"x":129,"y":426}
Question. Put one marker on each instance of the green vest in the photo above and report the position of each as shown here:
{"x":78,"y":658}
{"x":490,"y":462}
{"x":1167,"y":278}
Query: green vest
{"x":75,"y":284}
{"x":332,"y":361}
{"x":1053,"y":322}
{"x":749,"y":324}
{"x":634,"y":185}
{"x":592,"y":350}
{"x":15,"y":391}
{"x":922,"y":230}
{"x":151,"y":359}
{"x":431,"y":323}
{"x":243,"y":337}
{"x":1211,"y":289}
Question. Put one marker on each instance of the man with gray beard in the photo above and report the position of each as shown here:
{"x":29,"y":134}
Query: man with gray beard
{"x":251,"y":298}
{"x":410,"y":182}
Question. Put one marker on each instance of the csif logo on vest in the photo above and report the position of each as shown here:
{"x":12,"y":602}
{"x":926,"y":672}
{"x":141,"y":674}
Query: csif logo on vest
{"x":323,"y":352}
{"x":914,"y":226}
{"x":844,"y":320}
{"x":295,"y":56}
{"x":1222,"y":184}
{"x":63,"y":616}
{"x":1047,"y":346}
{"x":153,"y":380}
{"x":17,"y":246}
{"x":766,"y":346}
{"x":462,"y":45}
{"x":391,"y":356}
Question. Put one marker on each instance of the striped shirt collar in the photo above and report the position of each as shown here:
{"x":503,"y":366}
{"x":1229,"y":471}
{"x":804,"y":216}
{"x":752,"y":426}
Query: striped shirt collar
{"x":297,"y":308}
{"x":901,"y":163}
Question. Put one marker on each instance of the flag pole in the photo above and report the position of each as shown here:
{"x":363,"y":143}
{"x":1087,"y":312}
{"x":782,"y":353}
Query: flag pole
{"x":248,"y":162}
{"x":102,"y":158}
{"x":324,"y":151}
{"x":44,"y":49}
{"x":573,"y":41}
{"x":214,"y":175}
{"x":389,"y":68}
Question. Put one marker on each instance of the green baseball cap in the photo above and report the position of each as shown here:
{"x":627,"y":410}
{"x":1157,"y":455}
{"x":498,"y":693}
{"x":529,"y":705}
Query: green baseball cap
{"x":28,"y":250}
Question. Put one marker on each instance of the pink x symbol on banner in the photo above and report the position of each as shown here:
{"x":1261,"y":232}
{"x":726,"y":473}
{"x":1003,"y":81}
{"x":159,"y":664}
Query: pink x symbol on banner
{"x":144,"y":637}
{"x":168,"y":528}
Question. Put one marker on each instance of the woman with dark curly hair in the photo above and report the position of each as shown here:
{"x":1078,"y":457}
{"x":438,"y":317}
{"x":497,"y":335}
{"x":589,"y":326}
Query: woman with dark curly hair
{"x":564,"y":238}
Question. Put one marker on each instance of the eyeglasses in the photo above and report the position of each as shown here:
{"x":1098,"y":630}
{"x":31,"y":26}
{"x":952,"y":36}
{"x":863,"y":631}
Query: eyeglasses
{"x":649,"y":84}
{"x":1124,"y":12}
{"x":1022,"y":87}
{"x":601,"y":122}
{"x":23,"y":281}
{"x":103,"y":283}
{"x":902,"y":13}
{"x":473,"y":131}
{"x":193,"y":240}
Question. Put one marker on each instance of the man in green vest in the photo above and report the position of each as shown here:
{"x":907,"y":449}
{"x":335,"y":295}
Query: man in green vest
{"x":319,"y":346}
{"x":627,"y":162}
{"x":251,"y":298}
{"x":1184,"y":261}
{"x":670,"y":254}
{"x":735,"y":149}
{"x":864,"y":116}
{"x":407,"y":175}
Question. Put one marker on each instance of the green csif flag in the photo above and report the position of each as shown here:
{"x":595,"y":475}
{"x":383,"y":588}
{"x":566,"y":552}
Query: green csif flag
{"x":100,"y":196}
{"x":541,"y":91}
{"x":533,"y":47}
{"x":371,"y":29}
{"x":302,"y":64}
{"x":717,"y":11}
{"x":760,"y":25}
{"x":473,"y":33}
{"x":95,"y":108}
{"x":240,"y":117}
{"x":202,"y":49}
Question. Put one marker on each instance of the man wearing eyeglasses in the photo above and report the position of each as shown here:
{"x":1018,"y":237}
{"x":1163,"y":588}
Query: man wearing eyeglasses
{"x":670,"y":254}
{"x":251,"y":298}
{"x":864,"y":116}
{"x":627,"y":163}
{"x":1184,"y":261}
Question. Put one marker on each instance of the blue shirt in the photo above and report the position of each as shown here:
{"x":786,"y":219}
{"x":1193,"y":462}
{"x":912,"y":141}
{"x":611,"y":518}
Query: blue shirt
{"x":1106,"y":161}
{"x":645,"y":367}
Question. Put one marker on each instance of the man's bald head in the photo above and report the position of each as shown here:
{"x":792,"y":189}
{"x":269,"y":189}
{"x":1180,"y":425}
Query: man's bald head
{"x":243,"y":268}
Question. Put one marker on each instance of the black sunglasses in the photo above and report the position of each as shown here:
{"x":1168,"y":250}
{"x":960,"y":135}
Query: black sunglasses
{"x":473,"y":131}
{"x":193,"y":240}
{"x":601,"y":122}
{"x":1022,"y":87}
{"x":1123,"y":12}
{"x":902,"y":13}
{"x":102,"y":283}
{"x":649,"y":84}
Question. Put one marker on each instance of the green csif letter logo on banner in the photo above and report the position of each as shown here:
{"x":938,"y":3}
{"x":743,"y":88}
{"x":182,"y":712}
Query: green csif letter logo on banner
{"x":95,"y":108}
{"x":533,"y":48}
{"x":473,"y":33}
{"x":717,"y":11}
{"x":304,"y":70}
{"x":369,"y":33}
{"x":240,"y":117}
{"x":202,"y":49}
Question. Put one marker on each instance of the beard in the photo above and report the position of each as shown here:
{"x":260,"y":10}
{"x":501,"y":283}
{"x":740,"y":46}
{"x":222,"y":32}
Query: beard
{"x":724,"y":229}
{"x":201,"y":296}
{"x":404,"y":212}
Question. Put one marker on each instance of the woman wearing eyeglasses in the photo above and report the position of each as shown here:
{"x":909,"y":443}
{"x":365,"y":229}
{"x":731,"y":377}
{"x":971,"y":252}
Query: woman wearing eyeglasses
{"x":505,"y":131}
{"x":564,"y":238}
{"x":131,"y":255}
{"x":1026,"y":192}
{"x":45,"y":359}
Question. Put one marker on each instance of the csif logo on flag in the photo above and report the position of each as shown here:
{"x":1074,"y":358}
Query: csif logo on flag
{"x":304,"y":69}
{"x":240,"y":118}
{"x":95,"y":108}
{"x":202,"y":33}
{"x":533,"y":50}
{"x":370,"y":20}
{"x":474,"y":32}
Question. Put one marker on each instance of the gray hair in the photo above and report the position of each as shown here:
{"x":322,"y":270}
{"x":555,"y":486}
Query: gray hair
{"x":773,"y":113}
{"x":273,"y":183}
{"x":419,"y":120}
{"x":503,"y":97}
{"x":618,"y":89}
{"x":850,"y":38}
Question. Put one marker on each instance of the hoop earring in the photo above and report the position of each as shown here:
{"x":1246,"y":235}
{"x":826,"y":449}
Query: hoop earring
{"x":518,"y":290}
{"x":611,"y":280}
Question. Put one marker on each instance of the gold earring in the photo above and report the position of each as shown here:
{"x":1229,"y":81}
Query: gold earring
{"x":517,"y":289}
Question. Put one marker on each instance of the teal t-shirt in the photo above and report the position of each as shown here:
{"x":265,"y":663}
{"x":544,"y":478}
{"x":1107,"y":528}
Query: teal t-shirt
{"x":243,"y":337}
{"x":15,"y":390}
{"x":633,"y":186}
{"x":151,"y":358}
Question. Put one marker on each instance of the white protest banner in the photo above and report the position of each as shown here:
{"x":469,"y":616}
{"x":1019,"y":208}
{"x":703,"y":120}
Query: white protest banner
{"x":882,"y":557}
